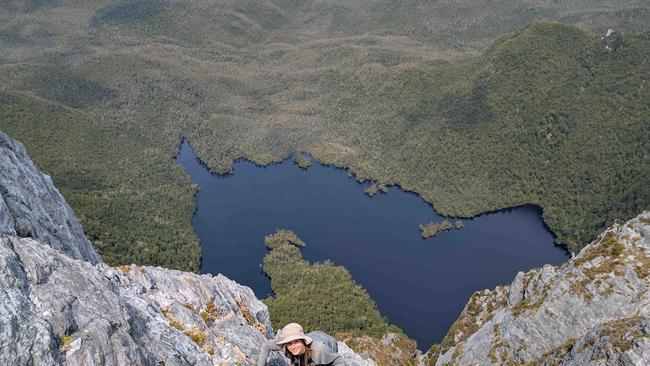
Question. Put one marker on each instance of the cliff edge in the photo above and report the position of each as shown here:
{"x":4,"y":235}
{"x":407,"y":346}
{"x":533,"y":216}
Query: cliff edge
{"x":30,"y":205}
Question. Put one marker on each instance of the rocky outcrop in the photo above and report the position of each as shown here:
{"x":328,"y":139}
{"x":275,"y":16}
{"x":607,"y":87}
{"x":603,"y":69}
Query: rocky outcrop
{"x":57,"y":310}
{"x":619,"y":342}
{"x":30,"y":205}
{"x":394,"y":349}
{"x":595,"y":309}
{"x":60,"y":305}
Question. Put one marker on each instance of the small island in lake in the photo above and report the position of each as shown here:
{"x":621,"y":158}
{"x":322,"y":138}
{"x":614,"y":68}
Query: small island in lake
{"x":431,"y":229}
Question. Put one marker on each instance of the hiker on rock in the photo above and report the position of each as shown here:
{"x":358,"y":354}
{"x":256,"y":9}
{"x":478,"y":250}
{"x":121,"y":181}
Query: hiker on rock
{"x":311,"y":349}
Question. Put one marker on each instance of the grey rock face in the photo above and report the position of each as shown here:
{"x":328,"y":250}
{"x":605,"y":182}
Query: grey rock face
{"x":592,"y":310}
{"x":25,"y":337}
{"x":61,"y":311}
{"x":620,"y":342}
{"x":30,"y":205}
{"x":225,"y":320}
{"x":58,"y":310}
{"x":353,"y":359}
{"x":82,"y":316}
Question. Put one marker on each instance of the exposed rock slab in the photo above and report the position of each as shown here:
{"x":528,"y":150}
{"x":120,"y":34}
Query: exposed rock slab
{"x":564,"y":312}
{"x":26,"y":338}
{"x":30,"y":205}
{"x":620,"y":342}
{"x":352,"y":358}
{"x":61,"y":311}
{"x":82,"y":314}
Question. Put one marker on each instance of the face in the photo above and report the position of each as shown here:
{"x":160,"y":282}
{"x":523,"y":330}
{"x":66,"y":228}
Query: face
{"x":296,"y":347}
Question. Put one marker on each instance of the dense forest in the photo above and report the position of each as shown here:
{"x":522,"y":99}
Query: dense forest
{"x":474,"y":106}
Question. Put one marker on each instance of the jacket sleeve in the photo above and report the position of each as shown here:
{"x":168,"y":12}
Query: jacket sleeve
{"x":264,"y":352}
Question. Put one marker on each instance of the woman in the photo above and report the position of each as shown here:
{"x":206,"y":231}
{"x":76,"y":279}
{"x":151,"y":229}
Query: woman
{"x":311,"y":349}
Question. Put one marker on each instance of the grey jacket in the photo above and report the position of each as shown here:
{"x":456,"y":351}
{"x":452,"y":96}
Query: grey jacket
{"x":323,"y":350}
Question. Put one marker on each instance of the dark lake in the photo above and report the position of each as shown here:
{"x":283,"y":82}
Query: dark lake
{"x":420,"y":285}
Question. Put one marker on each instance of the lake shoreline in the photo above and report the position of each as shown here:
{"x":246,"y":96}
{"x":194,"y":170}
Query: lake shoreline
{"x":352,"y":174}
{"x":235,"y":211}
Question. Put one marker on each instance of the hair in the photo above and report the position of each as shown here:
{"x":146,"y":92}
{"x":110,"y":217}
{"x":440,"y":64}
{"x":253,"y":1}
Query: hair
{"x":297,"y":360}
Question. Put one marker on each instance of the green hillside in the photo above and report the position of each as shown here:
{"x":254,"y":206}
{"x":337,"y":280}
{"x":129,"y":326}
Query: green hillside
{"x":132,"y":205}
{"x":435,"y":97}
{"x":548,"y":115}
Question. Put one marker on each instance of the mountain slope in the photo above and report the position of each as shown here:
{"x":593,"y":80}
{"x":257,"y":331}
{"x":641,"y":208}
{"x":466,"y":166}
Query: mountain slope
{"x":547,"y":115}
{"x":65,"y":311}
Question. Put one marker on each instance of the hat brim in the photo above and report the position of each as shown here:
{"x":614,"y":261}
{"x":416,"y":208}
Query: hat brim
{"x":282,"y":342}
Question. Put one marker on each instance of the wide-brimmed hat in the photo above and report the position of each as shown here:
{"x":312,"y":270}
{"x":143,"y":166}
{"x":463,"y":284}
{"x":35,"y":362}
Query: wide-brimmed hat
{"x":291,"y":332}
